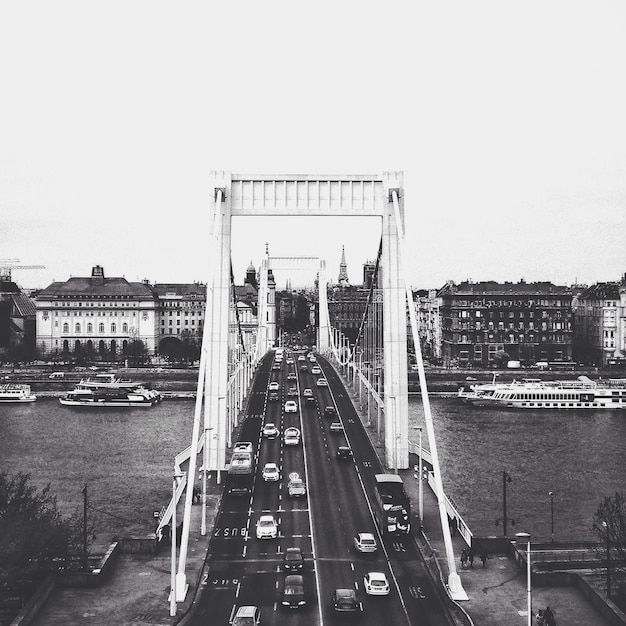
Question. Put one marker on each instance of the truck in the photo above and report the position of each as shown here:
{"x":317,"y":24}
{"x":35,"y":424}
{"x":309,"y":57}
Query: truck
{"x":240,"y":476}
{"x":393,"y":506}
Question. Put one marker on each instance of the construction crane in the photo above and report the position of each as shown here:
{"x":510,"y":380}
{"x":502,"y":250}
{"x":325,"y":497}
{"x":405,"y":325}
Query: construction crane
{"x":7,"y":265}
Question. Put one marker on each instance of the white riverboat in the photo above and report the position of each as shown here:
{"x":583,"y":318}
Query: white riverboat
{"x":108,"y":391}
{"x":529,"y":393}
{"x":16,"y":393}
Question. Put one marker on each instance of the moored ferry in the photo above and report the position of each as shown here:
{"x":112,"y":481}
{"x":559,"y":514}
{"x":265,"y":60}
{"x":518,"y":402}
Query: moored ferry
{"x":108,"y":391}
{"x":16,"y":393}
{"x":582,"y":393}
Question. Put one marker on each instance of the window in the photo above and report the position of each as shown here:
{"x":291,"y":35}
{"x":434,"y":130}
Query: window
{"x":101,"y":328}
{"x":77,"y":328}
{"x":89,"y":327}
{"x":66,"y":328}
{"x":113,"y":328}
{"x":125,"y":328}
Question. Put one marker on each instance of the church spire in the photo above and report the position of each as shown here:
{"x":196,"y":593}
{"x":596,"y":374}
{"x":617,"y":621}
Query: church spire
{"x":343,"y":269}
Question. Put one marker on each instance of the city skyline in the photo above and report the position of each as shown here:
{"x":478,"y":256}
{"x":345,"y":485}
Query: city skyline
{"x":508,"y":125}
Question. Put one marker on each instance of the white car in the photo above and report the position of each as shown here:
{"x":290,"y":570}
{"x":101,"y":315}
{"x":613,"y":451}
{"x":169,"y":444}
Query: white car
{"x":336,"y":427}
{"x":365,"y":542}
{"x":274,"y":386}
{"x":295,"y":486}
{"x":242,"y":446}
{"x":376,"y":584}
{"x":270,"y":431}
{"x":316,"y":370}
{"x":292,"y":436}
{"x":271,"y":472}
{"x":291,"y":406}
{"x":247,"y":616}
{"x":307,"y":393}
{"x":302,"y":358}
{"x":289,"y":361}
{"x":266,"y":527}
{"x":322,"y":382}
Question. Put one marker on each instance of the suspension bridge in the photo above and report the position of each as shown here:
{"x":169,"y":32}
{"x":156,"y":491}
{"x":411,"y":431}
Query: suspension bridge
{"x":375,"y":363}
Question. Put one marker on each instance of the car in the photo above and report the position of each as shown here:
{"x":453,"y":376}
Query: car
{"x":376,"y":584}
{"x":247,"y":616}
{"x":292,"y":436}
{"x":289,"y":361}
{"x":270,"y":431}
{"x":293,"y":595}
{"x":276,"y":366}
{"x":295,"y":486}
{"x":346,"y":601}
{"x":301,"y":358}
{"x":316,"y":370}
{"x":292,"y":391}
{"x":304,"y":368}
{"x":292,"y":376}
{"x":293,"y":559}
{"x":242,"y":446}
{"x":274,"y":386}
{"x":330,"y":411}
{"x":266,"y":527}
{"x":322,"y":382}
{"x":365,"y":543}
{"x":291,"y":406}
{"x":336,"y":427}
{"x":271,"y":472}
{"x":274,"y":397}
{"x":344,"y":452}
{"x":310,"y":398}
{"x":307,"y":392}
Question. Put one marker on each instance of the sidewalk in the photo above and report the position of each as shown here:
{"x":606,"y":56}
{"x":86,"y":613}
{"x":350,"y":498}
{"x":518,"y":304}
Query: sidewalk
{"x":137,"y":592}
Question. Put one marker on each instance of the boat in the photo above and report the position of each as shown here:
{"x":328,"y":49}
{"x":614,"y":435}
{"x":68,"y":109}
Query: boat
{"x":105,"y":390}
{"x":532,"y":393}
{"x":11,"y":392}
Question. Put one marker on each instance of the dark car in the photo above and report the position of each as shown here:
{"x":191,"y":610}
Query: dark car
{"x":293,"y":592}
{"x":274,"y":397}
{"x":346,"y":601}
{"x":344,"y":452}
{"x":330,"y":411}
{"x":293,"y":559}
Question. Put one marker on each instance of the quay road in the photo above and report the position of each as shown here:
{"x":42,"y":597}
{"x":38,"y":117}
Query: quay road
{"x":243,"y":570}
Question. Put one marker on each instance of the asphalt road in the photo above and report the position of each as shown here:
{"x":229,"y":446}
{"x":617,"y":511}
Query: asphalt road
{"x":243,"y":570}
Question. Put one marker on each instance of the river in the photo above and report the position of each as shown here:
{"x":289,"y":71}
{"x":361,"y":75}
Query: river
{"x":126,"y":459}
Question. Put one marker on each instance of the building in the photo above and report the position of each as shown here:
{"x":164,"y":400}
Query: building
{"x":95,"y":317}
{"x":600,"y":324}
{"x":427,"y":305}
{"x":17,"y":322}
{"x":487,"y":323}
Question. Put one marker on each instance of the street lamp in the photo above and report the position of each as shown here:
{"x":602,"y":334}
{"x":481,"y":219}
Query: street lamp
{"x":420,"y":478}
{"x":551,"y":494}
{"x":608,"y":562}
{"x":519,"y":537}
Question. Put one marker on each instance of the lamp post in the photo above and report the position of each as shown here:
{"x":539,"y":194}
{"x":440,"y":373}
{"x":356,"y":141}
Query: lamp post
{"x":173,"y":556}
{"x":551,"y":494}
{"x":420,"y":478}
{"x":505,"y":479}
{"x":529,"y":608}
{"x":608,"y":562}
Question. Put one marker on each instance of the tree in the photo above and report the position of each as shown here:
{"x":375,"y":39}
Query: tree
{"x":33,"y":534}
{"x":609,"y":522}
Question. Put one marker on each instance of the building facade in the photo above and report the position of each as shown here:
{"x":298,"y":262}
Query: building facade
{"x":486,"y":324}
{"x":600,"y":324}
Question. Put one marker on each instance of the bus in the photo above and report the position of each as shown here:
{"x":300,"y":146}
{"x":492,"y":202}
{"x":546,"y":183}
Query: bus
{"x":240,"y":477}
{"x":393,"y":507}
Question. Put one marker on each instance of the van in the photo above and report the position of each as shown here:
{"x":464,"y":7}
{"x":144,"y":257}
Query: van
{"x":542,"y":365}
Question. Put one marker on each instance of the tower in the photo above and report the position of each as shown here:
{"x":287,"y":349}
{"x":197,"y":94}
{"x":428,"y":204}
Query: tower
{"x":343,"y":269}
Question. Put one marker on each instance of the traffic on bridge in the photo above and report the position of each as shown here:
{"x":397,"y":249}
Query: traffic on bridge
{"x":344,"y":547}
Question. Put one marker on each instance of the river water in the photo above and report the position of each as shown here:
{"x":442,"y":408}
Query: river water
{"x":126,"y":459}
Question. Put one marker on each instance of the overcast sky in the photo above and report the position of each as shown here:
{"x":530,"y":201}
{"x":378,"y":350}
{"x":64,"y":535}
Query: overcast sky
{"x":508,"y":120}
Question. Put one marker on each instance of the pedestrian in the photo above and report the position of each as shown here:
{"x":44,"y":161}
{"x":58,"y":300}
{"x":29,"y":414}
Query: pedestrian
{"x":483,"y":557}
{"x":463,"y":558}
{"x":548,"y":617}
{"x":540,"y":620}
{"x":470,"y":557}
{"x":196,"y":494}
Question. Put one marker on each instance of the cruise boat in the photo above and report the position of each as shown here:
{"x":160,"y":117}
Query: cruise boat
{"x":530,"y":393}
{"x":108,"y":391}
{"x":16,"y":393}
